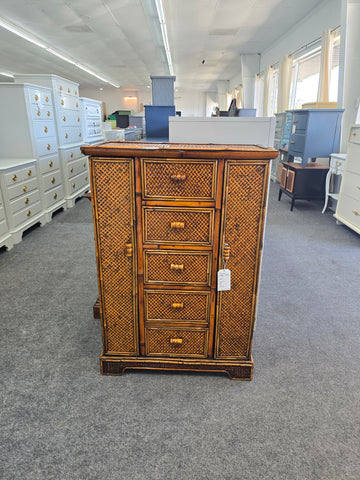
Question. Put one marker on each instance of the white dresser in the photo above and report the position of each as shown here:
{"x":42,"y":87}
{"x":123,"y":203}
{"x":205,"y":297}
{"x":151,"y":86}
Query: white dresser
{"x":21,"y":196}
{"x":5,"y":235}
{"x":348,"y":207}
{"x":65,"y":96}
{"x":27,"y":130}
{"x":91,"y":118}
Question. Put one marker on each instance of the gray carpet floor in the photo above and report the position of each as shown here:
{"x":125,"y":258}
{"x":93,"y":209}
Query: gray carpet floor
{"x":297,"y":420}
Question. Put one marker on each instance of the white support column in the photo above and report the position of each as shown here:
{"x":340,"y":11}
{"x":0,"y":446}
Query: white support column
{"x":222,"y":90}
{"x":351,"y":85}
{"x":249,"y":68}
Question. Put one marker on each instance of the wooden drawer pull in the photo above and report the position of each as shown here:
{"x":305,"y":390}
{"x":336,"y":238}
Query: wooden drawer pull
{"x":176,"y":267}
{"x":226,"y":252}
{"x":128,"y":249}
{"x":177,"y":224}
{"x":176,"y":341}
{"x":178,"y":178}
{"x":177,"y":305}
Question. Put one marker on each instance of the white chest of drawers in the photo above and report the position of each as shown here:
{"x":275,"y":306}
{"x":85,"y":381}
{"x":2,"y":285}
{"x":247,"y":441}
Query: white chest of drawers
{"x":348,"y":207}
{"x":27,"y":130}
{"x":91,"y":118}
{"x":21,"y":195}
{"x":65,"y":97}
{"x":5,"y":236}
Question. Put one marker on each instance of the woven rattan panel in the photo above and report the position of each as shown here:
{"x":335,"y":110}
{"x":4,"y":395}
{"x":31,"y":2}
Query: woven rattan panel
{"x":113,"y":196}
{"x":177,"y":268}
{"x":188,"y":307}
{"x":159,"y":341}
{"x":195,"y":180}
{"x":178,"y":226}
{"x":243,"y":213}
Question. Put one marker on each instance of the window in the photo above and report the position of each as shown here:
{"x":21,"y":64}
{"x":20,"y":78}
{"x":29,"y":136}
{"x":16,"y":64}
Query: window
{"x":334,"y":75}
{"x":306,"y":74}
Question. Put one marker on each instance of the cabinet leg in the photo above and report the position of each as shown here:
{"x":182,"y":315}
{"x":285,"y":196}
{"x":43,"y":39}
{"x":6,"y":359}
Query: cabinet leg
{"x":292,"y":204}
{"x":280,"y":193}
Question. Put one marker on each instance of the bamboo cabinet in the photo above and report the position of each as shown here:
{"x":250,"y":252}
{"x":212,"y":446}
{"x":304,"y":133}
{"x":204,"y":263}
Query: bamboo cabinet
{"x":167,"y":218}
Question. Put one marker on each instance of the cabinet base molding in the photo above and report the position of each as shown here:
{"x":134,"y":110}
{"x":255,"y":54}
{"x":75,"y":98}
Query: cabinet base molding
{"x":236,"y":370}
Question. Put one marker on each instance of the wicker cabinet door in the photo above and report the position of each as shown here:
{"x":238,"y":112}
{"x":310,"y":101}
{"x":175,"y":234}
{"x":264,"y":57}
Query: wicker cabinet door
{"x":113,"y":204}
{"x":242,"y":225}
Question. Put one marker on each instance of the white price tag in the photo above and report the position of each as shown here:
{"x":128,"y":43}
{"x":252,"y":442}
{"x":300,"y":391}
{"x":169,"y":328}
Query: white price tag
{"x":224,"y":280}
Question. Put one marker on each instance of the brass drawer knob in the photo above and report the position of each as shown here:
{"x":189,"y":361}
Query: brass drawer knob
{"x":78,"y":119}
{"x":177,"y":267}
{"x":176,"y":341}
{"x":75,"y":92}
{"x":356,"y":213}
{"x":84,"y":164}
{"x":62,"y":102}
{"x":53,"y":180}
{"x":48,"y":114}
{"x":29,"y":172}
{"x":26,"y":201}
{"x":60,"y":87}
{"x":46,"y":99}
{"x":68,"y":90}
{"x":79,"y":134}
{"x":66,"y":135}
{"x":28,"y":213}
{"x":178,"y":178}
{"x":38,"y":113}
{"x":71,"y":170}
{"x":71,"y":155}
{"x":73,"y":185}
{"x":76,"y":105}
{"x":180,"y":225}
{"x":64,"y":118}
{"x":86,"y":178}
{"x":128,"y":249}
{"x":14,"y":177}
{"x":45,"y":129}
{"x":51,"y":164}
{"x":292,"y":141}
{"x":55,"y":196}
{"x":36,"y":97}
{"x":48,"y":146}
{"x":24,"y":188}
{"x":177,"y":305}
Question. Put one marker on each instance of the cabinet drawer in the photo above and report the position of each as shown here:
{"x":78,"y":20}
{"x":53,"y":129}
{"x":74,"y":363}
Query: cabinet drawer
{"x":351,"y":186}
{"x":68,"y":154}
{"x":54,"y":196}
{"x":25,"y":187}
{"x":62,"y":86}
{"x":354,"y":136}
{"x":177,"y":306}
{"x":168,"y":178}
{"x":78,"y":182}
{"x":25,"y":201}
{"x":47,"y":146}
{"x":20,"y":175}
{"x":21,"y":217}
{"x":176,"y":342}
{"x":49,"y":164}
{"x":348,"y":208}
{"x":296,"y":144}
{"x":77,"y":166}
{"x":3,"y":227}
{"x":171,"y":225}
{"x":299,"y":122}
{"x":40,"y":97}
{"x":185,"y":268}
{"x":71,"y":135}
{"x":353,"y":158}
{"x":70,"y":118}
{"x":44,"y":129}
{"x":51,"y":180}
{"x":41,"y":112}
{"x":68,"y":103}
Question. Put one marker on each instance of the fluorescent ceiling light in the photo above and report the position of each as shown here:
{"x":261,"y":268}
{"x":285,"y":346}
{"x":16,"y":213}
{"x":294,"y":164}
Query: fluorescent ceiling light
{"x":32,"y":39}
{"x":7,"y":74}
{"x":161,"y":15}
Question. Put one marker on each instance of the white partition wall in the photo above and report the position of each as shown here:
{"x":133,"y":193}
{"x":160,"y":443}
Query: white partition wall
{"x":241,"y":130}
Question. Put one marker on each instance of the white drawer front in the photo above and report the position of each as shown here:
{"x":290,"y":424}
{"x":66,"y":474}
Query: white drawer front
{"x":71,"y":135}
{"x":40,"y":97}
{"x":24,"y":187}
{"x":354,"y":136}
{"x":69,"y":154}
{"x":70,"y":118}
{"x":66,"y":102}
{"x":44,"y":129}
{"x":41,"y":112}
{"x":25,"y":201}
{"x":2,"y":212}
{"x":93,"y":131}
{"x":350,"y":186}
{"x":63,"y":87}
{"x":47,"y":146}
{"x":20,"y":175}
{"x":49,"y":164}
{"x":78,"y":182}
{"x":77,"y":167}
{"x":24,"y":215}
{"x":92,"y":111}
{"x":54,"y":196}
{"x":353,"y":157}
{"x":51,"y":180}
{"x":348,"y":208}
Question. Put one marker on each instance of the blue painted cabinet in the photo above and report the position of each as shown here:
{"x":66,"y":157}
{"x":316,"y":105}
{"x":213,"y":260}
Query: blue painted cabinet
{"x":315,"y":133}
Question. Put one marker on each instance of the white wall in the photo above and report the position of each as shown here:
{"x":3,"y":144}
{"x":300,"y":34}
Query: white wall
{"x":324,"y":16}
{"x":190,"y":103}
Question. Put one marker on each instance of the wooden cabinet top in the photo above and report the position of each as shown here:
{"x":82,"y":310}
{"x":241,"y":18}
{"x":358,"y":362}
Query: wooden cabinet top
{"x":180,"y":150}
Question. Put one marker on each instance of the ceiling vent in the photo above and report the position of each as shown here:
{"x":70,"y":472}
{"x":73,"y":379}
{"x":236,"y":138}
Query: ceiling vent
{"x":82,"y":28}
